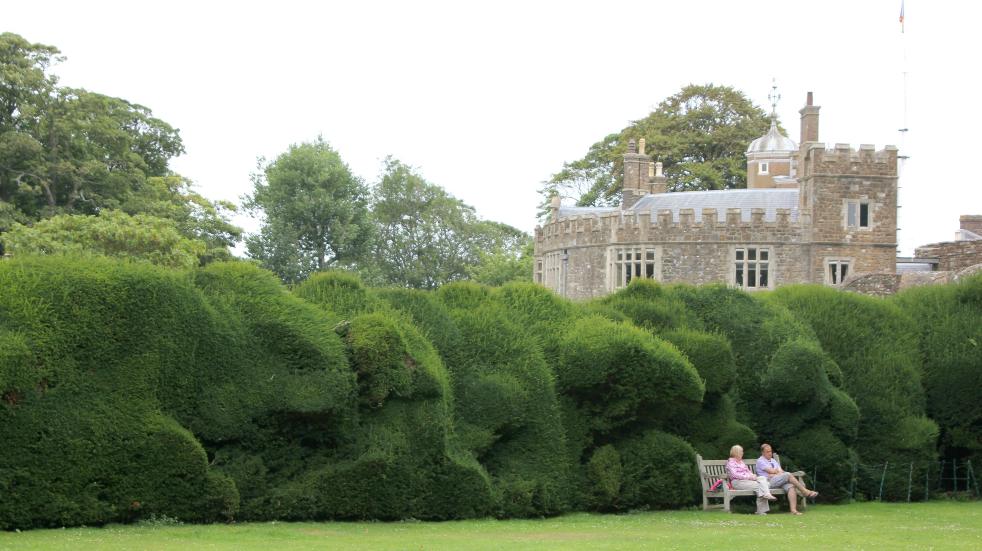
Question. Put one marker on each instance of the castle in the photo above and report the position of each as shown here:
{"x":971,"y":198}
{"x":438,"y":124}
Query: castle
{"x":810,"y":214}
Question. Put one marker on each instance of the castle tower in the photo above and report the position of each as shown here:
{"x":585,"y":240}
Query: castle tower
{"x":847,"y":204}
{"x":771,"y":157}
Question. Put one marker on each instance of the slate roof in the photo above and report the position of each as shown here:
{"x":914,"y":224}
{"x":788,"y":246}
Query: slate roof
{"x":746,"y":199}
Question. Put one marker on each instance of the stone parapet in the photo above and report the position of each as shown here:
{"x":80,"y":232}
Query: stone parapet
{"x":665,"y":219}
{"x":844,"y":160}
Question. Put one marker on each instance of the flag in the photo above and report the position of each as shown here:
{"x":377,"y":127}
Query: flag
{"x":901,"y":15}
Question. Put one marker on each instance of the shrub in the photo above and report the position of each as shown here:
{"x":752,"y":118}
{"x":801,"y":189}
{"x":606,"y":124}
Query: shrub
{"x":709,"y":353}
{"x":339,"y":293}
{"x":99,"y":365}
{"x":647,"y":304}
{"x":605,"y":474}
{"x":823,"y":456}
{"x":950,"y":349}
{"x":621,"y":375}
{"x":796,"y":375}
{"x":659,"y":472}
{"x":715,"y":429}
{"x":506,"y":403}
{"x":875,"y":345}
{"x":464,"y":295}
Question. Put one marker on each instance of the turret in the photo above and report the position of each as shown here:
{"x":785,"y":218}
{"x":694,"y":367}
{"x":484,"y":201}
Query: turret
{"x":770,"y":158}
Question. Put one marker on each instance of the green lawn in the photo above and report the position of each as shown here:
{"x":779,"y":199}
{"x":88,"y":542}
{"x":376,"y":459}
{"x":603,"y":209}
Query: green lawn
{"x":943,"y":524}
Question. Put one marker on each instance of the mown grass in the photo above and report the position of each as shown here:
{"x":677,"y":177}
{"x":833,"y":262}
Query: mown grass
{"x":938,"y":525}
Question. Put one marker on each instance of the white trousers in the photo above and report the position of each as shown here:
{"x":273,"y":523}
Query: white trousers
{"x":760,"y":486}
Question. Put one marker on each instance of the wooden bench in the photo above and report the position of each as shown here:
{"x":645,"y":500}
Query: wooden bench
{"x":713,"y":470}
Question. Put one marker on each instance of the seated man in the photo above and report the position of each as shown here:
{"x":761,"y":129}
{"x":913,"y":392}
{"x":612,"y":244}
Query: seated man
{"x":778,"y":478}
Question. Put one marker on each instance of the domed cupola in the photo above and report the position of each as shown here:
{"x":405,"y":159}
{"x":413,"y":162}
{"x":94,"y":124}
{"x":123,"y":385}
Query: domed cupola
{"x":771,"y":156}
{"x":773,"y":141}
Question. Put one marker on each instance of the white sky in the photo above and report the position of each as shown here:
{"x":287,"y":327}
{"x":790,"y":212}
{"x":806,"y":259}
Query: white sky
{"x":488,"y":100}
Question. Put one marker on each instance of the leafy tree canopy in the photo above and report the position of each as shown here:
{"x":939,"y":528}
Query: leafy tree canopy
{"x":426,"y":237}
{"x":72,"y":151}
{"x":315,"y":212}
{"x":111,"y":233}
{"x":699,"y":134}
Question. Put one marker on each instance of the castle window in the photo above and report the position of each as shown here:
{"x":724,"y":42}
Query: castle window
{"x":762,"y":168}
{"x":552,"y":278}
{"x":857,"y":214}
{"x":836,"y":271}
{"x":538,"y":271}
{"x":751,"y":267}
{"x":627,"y":263}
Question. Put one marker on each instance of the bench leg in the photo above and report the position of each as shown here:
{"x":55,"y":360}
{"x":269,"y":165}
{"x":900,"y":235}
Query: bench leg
{"x":726,"y":503}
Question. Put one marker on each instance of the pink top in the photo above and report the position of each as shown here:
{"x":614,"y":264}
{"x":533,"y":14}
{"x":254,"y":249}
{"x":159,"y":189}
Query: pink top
{"x":738,"y":470}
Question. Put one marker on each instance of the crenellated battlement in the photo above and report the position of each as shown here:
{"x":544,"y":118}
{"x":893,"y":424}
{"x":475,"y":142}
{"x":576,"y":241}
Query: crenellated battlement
{"x":842,"y":159}
{"x":622,"y":226}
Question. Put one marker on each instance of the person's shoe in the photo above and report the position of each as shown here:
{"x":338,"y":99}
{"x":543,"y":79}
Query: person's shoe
{"x":770,"y":497}
{"x":796,"y":512}
{"x":813,"y":494}
{"x":761,"y":514}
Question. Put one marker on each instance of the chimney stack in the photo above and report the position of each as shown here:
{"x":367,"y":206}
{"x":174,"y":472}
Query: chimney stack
{"x":809,"y":122}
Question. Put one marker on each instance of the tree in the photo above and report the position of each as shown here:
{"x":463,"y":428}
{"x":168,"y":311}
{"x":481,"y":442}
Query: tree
{"x":315,"y":212}
{"x":71,"y":151}
{"x":111,"y":233}
{"x":426,"y":237}
{"x":699,"y":134}
{"x":502,"y":266}
{"x":173,"y":198}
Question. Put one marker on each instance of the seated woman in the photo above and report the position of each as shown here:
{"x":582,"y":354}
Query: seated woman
{"x":778,"y":478}
{"x":742,"y":478}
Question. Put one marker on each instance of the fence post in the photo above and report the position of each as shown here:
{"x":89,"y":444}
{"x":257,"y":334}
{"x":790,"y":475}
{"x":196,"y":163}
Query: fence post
{"x":852,"y":482}
{"x":971,"y":473}
{"x":927,"y":482}
{"x":883,"y":478}
{"x":954,"y":473}
{"x":941,"y":475}
{"x":910,"y":480}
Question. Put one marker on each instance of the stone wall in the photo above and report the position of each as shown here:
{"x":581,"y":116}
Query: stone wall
{"x":704,"y":252}
{"x":880,"y":285}
{"x":952,"y":255}
{"x":971,"y":222}
{"x":686,"y":250}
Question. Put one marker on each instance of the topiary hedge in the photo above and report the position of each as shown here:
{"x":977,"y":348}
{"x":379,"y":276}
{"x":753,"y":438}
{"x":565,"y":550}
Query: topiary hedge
{"x":98,"y":363}
{"x":129,"y":390}
{"x":875,"y":345}
{"x":949,"y":343}
{"x":506,"y":404}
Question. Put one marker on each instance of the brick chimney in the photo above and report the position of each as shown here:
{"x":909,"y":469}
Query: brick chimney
{"x":809,"y":122}
{"x":635,"y":174}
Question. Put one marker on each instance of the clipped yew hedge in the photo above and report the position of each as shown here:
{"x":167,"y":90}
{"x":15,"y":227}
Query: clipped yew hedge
{"x":214,"y":394}
{"x":782,"y":386}
{"x":875,"y":345}
{"x":948,"y":325}
{"x":506,"y":405}
{"x":99,"y":361}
